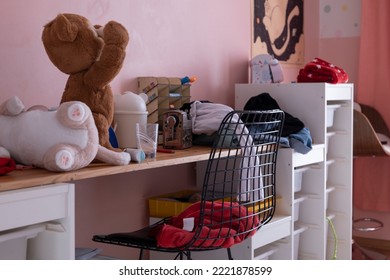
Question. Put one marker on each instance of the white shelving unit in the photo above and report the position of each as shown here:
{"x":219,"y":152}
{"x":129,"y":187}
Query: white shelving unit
{"x":313,"y":188}
{"x":316,"y":188}
{"x":38,"y":223}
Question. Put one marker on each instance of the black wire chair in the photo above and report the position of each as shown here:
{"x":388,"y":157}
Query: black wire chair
{"x":238,"y":195}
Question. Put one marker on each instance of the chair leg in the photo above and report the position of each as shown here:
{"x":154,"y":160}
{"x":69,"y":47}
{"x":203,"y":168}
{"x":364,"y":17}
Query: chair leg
{"x":229,"y":252}
{"x":141,"y":254}
{"x":179,"y":256}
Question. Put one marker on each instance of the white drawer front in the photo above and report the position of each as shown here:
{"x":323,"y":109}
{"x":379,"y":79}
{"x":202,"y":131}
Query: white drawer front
{"x":278,"y":228}
{"x":33,"y":205}
{"x":314,"y":156}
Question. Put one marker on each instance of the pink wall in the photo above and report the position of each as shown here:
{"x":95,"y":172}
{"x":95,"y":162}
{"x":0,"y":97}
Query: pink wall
{"x":207,"y":39}
{"x":341,"y":51}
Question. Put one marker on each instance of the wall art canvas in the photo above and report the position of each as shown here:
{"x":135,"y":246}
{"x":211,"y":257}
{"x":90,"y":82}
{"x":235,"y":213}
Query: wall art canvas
{"x":278,"y":30}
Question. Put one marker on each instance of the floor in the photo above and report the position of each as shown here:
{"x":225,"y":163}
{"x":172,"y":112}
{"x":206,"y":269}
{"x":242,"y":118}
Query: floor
{"x":370,"y":249}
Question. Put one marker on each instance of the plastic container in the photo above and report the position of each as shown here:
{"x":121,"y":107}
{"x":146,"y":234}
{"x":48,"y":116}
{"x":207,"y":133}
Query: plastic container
{"x":329,"y":136}
{"x":328,"y":191}
{"x":328,"y":164}
{"x":130,"y":109}
{"x":297,"y":204}
{"x":331,"y":108}
{"x":298,"y":174}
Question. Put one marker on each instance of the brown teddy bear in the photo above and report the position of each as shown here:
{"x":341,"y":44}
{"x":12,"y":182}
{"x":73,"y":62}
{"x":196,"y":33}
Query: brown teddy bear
{"x":92,"y":56}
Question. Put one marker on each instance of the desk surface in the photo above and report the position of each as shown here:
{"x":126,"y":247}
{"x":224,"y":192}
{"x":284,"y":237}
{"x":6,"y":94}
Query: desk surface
{"x":18,"y":179}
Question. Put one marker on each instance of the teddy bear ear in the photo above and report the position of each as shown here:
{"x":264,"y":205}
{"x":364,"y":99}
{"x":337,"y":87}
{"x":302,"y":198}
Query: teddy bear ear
{"x":65,"y":30}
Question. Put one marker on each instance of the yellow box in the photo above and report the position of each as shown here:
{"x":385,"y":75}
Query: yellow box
{"x":170,"y":204}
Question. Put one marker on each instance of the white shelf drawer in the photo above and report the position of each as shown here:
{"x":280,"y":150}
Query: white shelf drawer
{"x":314,"y":156}
{"x":34,"y":205}
{"x":339,"y":92}
{"x":279,"y":227}
{"x":13,"y":243}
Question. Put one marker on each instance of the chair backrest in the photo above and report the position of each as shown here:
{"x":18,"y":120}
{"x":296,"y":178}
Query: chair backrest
{"x":238,"y":194}
{"x":376,"y":119}
{"x":366,"y":124}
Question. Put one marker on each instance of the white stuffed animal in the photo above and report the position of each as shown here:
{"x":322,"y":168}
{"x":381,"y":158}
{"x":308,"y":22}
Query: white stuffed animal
{"x":61,"y":140}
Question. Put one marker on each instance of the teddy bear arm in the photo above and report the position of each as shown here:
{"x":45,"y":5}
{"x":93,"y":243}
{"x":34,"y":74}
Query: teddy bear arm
{"x":105,"y":70}
{"x":111,"y":59}
{"x":115,"y":34}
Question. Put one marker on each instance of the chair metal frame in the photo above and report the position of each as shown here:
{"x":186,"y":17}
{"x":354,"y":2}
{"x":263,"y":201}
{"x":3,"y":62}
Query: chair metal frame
{"x":238,"y":195}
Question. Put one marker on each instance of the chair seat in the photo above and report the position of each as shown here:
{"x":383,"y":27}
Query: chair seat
{"x":139,"y":238}
{"x":144,"y":238}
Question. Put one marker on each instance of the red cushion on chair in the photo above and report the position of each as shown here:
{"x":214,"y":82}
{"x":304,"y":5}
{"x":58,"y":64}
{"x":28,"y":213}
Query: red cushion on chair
{"x":173,"y":235}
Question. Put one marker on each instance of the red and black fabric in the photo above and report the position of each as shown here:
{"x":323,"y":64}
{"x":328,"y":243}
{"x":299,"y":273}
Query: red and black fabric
{"x":172,"y":234}
{"x":6,"y":165}
{"x":321,"y":71}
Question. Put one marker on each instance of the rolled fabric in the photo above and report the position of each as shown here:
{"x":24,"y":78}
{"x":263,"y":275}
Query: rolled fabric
{"x":137,"y":155}
{"x":319,"y":70}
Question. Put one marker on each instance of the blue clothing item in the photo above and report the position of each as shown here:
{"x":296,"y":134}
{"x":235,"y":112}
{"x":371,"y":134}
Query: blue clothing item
{"x":112,"y":138}
{"x":284,"y":143}
{"x":301,"y":141}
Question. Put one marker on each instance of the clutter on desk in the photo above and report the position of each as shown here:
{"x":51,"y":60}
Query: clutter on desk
{"x":177,"y":130}
{"x":137,"y":155}
{"x":295,"y":134}
{"x":322,"y":71}
{"x":130,"y":109}
{"x":206,"y":118}
{"x":164,"y":93}
{"x":188,"y":80}
{"x":147,"y":138}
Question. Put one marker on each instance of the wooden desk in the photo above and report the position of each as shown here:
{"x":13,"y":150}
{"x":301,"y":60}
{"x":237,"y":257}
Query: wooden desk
{"x":35,"y":177}
{"x":37,"y":197}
